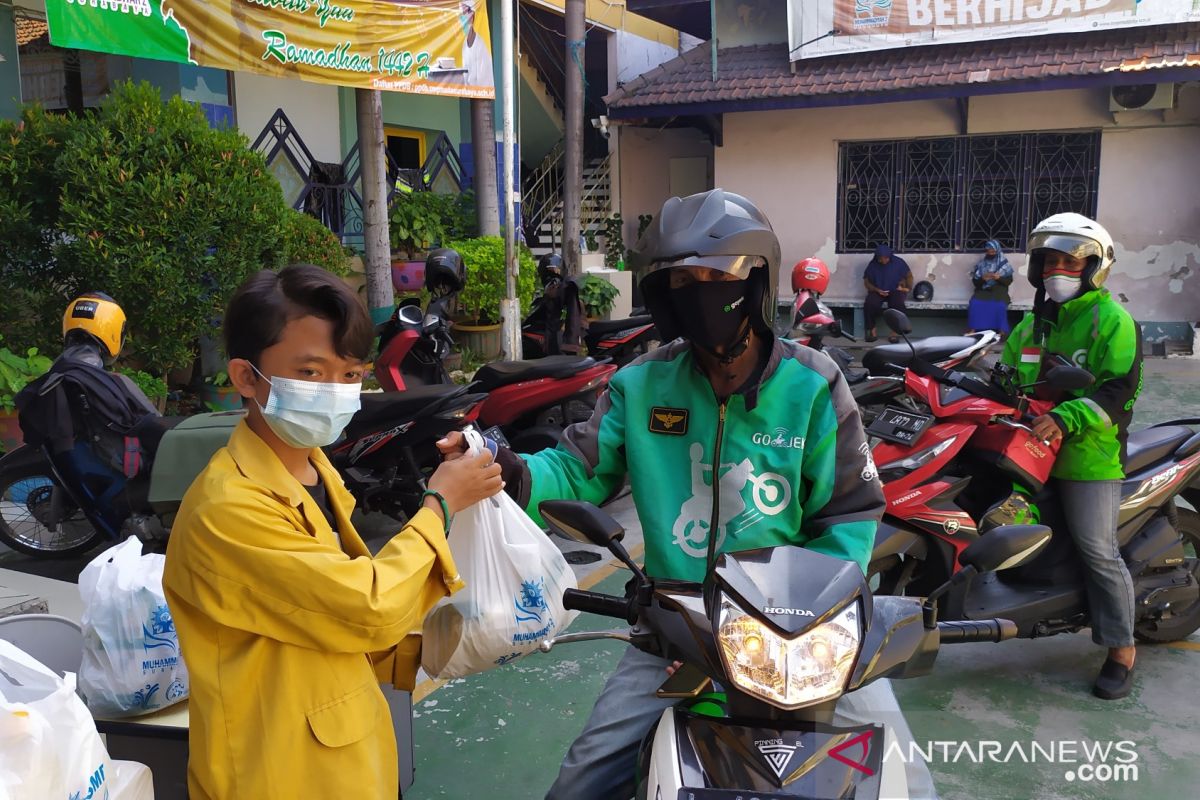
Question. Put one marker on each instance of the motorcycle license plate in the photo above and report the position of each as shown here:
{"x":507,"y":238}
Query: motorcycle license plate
{"x":496,"y":435}
{"x":899,"y":426}
{"x":730,"y":794}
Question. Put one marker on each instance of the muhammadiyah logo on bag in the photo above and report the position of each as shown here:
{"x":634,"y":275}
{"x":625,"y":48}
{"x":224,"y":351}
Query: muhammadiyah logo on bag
{"x":161,"y":630}
{"x":531,"y":606}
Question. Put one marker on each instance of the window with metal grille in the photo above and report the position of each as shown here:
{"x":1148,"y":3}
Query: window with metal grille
{"x":953,"y":193}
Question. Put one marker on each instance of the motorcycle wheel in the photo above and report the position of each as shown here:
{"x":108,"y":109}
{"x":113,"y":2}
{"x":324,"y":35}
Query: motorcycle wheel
{"x":1184,"y":622}
{"x":25,"y":496}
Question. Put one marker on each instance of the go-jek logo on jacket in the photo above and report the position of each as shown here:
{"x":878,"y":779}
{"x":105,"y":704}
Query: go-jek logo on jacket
{"x":160,"y":631}
{"x":782,"y":437}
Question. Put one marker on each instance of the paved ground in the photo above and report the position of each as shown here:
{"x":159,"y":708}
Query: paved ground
{"x":501,"y":735}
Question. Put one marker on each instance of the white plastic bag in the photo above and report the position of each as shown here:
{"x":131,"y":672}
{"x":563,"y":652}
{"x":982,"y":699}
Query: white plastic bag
{"x":515,"y":580}
{"x":49,"y":747}
{"x":131,"y":659}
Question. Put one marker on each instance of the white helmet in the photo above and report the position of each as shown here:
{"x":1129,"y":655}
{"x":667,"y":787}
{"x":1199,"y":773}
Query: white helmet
{"x":1075,"y":235}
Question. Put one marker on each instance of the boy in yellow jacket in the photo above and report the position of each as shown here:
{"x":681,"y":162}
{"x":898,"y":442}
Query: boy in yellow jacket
{"x":286,"y":622}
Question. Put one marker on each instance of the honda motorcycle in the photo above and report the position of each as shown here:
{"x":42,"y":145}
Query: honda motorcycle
{"x":777,"y":653}
{"x":528,"y":403}
{"x":881,"y":381}
{"x":61,"y":505}
{"x":949,"y":477}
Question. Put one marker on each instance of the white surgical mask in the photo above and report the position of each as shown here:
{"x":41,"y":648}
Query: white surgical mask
{"x":309,"y":414}
{"x":1062,"y":288}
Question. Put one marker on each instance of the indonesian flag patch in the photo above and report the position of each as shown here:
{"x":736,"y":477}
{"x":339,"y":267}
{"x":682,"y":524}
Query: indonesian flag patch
{"x":1031,"y":355}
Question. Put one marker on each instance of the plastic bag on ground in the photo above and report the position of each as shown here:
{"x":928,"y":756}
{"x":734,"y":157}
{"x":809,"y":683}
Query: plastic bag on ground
{"x":131,"y":659}
{"x":515,"y":580}
{"x":49,"y":747}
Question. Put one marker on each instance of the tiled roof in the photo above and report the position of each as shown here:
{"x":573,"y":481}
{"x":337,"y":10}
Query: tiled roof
{"x":762,"y":72}
{"x":29,"y":29}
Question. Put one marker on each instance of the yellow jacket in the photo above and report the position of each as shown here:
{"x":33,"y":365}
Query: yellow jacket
{"x":286,"y":635}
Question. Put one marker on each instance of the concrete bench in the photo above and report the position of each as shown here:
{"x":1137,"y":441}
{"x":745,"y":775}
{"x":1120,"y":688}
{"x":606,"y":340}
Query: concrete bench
{"x":915,"y":309}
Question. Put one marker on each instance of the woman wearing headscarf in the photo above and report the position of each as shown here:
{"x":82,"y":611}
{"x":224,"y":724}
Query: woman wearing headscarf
{"x":988,"y":309}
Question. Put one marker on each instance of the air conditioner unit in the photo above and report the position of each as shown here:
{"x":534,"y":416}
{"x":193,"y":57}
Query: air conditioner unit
{"x":1141,"y":97}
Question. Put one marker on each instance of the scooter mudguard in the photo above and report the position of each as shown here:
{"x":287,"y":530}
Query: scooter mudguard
{"x":509,"y":403}
{"x":696,"y":757}
{"x":184,"y":452}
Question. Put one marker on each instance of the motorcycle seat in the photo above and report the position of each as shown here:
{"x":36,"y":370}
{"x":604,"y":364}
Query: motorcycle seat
{"x":601,"y":327}
{"x":504,"y":373}
{"x":1151,"y":445}
{"x":887,"y":359}
{"x":380,"y":407}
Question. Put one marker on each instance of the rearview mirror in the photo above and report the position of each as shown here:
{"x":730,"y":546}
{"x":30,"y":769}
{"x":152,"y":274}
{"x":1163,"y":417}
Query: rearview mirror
{"x":897,"y":321}
{"x":409,"y":315}
{"x":1068,"y":377}
{"x":1005,"y":547}
{"x":581,"y":522}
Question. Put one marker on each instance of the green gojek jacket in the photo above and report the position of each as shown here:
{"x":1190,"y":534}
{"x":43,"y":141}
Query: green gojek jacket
{"x":794,"y":466}
{"x":1094,"y":332}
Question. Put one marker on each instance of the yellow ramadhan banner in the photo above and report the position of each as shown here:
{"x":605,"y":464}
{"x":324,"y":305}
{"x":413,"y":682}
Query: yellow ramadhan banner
{"x":440,"y":47}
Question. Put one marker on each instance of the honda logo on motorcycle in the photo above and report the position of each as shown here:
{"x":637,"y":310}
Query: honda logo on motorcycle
{"x":777,"y":754}
{"x":795,"y":612}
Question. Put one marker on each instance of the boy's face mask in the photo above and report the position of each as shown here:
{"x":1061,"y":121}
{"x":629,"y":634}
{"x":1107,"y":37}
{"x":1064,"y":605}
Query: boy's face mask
{"x":308,"y":414}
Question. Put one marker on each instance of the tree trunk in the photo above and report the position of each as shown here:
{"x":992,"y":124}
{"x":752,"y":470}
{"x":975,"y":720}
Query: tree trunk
{"x":573,"y":133}
{"x":378,"y":258}
{"x":483,"y":145}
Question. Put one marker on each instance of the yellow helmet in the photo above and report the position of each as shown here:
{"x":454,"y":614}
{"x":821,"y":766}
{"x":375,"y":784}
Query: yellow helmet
{"x":99,"y":316}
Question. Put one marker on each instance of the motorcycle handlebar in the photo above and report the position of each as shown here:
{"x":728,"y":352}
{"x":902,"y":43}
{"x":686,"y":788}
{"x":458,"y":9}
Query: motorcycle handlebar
{"x":595,"y":603}
{"x":976,"y":630}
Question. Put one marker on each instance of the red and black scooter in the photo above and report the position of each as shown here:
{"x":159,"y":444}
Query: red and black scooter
{"x":529,"y":403}
{"x":972,"y":464}
{"x":881,"y":380}
{"x":556,"y":323}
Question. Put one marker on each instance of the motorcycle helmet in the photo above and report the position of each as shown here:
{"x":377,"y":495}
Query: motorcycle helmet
{"x":1075,"y":235}
{"x":445,"y":272}
{"x":811,"y":274}
{"x":922,"y":292}
{"x":549,"y":268}
{"x":95,"y":316}
{"x":716,"y":230}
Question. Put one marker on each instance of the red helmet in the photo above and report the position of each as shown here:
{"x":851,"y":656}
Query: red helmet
{"x":811,"y":274}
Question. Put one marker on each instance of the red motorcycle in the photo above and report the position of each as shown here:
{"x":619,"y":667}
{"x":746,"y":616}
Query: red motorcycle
{"x":972,"y":464}
{"x":528,"y":404}
{"x":882,"y":380}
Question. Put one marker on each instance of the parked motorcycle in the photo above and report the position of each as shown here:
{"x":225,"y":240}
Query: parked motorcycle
{"x":556,"y":324}
{"x":783,"y":651}
{"x":528,"y":403}
{"x":881,"y":380}
{"x":61,"y":505}
{"x":948,"y":479}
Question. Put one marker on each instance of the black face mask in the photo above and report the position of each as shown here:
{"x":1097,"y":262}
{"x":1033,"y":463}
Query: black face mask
{"x":712,"y":314}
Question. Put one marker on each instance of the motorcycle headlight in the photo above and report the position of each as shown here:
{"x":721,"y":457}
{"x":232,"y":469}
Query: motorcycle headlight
{"x":788,"y":673}
{"x":893,"y":470}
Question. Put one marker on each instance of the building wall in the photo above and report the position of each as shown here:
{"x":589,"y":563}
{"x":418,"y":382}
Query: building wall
{"x":312,"y":108}
{"x":629,"y":55}
{"x":10,"y":73}
{"x":1147,"y":189}
{"x":645,"y":157}
{"x":747,"y":22}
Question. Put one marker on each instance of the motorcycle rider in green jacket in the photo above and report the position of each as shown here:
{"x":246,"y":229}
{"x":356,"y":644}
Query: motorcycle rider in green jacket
{"x":726,"y":424}
{"x":1070,"y":257}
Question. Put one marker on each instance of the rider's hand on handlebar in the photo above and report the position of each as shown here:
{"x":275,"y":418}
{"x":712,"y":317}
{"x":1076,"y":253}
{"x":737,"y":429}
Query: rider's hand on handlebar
{"x":466,"y":480}
{"x":453,"y":446}
{"x":675,"y":665}
{"x":1046,"y":428}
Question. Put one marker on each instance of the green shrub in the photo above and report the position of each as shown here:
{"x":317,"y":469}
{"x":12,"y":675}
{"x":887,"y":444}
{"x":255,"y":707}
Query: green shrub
{"x":423,"y":220}
{"x":153,"y":387}
{"x":304,"y":240}
{"x":598,"y":296}
{"x":484,"y":259}
{"x":165,"y":214}
{"x":16,"y":371}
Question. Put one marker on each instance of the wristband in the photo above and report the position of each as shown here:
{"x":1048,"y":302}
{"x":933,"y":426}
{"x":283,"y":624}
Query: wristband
{"x":436,"y":495}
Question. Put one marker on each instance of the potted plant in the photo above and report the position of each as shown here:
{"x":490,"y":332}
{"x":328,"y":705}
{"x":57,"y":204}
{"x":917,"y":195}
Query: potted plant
{"x":614,"y":242}
{"x":219,"y":395}
{"x":15,"y":372}
{"x":598,"y":296}
{"x":478,"y":327}
{"x":421,"y":220}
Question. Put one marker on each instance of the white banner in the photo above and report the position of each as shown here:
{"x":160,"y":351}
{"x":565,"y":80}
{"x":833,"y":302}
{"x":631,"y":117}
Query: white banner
{"x":882,"y":24}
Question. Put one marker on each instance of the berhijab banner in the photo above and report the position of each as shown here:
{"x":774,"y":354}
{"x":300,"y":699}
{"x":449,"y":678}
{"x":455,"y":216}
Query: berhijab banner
{"x":831,"y":27}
